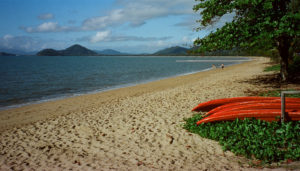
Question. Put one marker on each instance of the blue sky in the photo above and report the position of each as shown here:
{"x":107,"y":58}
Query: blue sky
{"x":134,"y":26}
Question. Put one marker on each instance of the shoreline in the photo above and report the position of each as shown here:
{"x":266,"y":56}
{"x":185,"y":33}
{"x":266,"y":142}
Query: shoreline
{"x":132,"y":128}
{"x":15,"y":106}
{"x":17,"y":109}
{"x":61,"y":97}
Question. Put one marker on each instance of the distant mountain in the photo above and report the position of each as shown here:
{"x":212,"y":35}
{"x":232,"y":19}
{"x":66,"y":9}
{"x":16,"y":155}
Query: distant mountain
{"x":7,"y":54}
{"x":75,"y":50}
{"x":78,"y":50}
{"x":110,"y":52}
{"x":48,"y":52}
{"x":177,"y":50}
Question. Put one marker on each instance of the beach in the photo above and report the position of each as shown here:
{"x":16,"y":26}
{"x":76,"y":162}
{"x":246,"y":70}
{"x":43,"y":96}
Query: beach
{"x":131,"y":128}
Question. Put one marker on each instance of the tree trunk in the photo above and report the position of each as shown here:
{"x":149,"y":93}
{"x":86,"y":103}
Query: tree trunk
{"x":283,"y":48}
{"x":284,"y":69}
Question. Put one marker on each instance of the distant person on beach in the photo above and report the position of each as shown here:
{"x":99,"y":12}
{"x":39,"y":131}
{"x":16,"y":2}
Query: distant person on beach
{"x":222,"y":66}
{"x":214,"y":66}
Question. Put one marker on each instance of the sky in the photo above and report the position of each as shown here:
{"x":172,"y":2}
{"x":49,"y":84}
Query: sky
{"x":131,"y":26}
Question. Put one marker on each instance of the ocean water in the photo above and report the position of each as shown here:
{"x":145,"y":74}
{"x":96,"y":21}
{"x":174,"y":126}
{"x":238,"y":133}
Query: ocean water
{"x":33,"y":79}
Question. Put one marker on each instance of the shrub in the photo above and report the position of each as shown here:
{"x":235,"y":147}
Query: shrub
{"x":266,"y":141}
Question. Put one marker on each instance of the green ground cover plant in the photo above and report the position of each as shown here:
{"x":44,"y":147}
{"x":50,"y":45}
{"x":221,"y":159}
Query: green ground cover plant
{"x":277,"y":93}
{"x":294,"y":67}
{"x":256,"y":139}
{"x":272,"y":68}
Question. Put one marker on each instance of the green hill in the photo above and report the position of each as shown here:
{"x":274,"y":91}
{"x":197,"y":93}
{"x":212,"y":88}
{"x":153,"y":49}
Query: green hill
{"x":48,"y":52}
{"x":177,"y":50}
{"x":110,"y":52}
{"x":75,"y":50}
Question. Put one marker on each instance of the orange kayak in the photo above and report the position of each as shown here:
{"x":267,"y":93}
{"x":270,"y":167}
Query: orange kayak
{"x":253,"y":105}
{"x":263,"y":114}
{"x":207,"y":106}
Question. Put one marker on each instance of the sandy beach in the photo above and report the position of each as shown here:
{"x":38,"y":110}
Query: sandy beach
{"x":132,"y":128}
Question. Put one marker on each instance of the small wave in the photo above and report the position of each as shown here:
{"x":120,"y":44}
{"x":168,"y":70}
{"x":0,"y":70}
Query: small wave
{"x":245,"y":60}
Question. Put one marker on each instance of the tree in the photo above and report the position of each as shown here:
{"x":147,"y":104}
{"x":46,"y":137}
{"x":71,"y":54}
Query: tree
{"x":256,"y":23}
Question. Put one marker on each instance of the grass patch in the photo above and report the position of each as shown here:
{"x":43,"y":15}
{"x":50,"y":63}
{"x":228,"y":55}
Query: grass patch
{"x":276,"y":93}
{"x":266,"y":141}
{"x":293,"y":67}
{"x":272,"y":68}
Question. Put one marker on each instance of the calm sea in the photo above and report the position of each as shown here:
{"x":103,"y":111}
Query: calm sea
{"x":33,"y":79}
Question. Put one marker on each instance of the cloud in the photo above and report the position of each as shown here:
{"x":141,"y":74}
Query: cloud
{"x":218,"y":22}
{"x":95,"y":23}
{"x":106,"y":36}
{"x":100,"y":36}
{"x":138,"y":38}
{"x":17,"y":42}
{"x":10,"y":43}
{"x":47,"y":27}
{"x":7,"y":37}
{"x":132,"y":12}
{"x":189,"y":22}
{"x":186,"y":39}
{"x":136,"y":13}
{"x":46,"y":16}
{"x":152,"y":46}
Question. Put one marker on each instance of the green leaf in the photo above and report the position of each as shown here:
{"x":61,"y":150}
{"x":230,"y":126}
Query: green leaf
{"x":267,"y":5}
{"x":270,"y":142}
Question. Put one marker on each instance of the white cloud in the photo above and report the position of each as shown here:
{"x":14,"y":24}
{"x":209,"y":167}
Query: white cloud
{"x":132,"y":12}
{"x":186,"y":39}
{"x":106,"y":36}
{"x":162,"y":43}
{"x":46,"y":16}
{"x":47,"y":27}
{"x":7,"y":37}
{"x":100,"y":36}
{"x":136,"y":13}
{"x":16,"y":42}
{"x":103,"y":21}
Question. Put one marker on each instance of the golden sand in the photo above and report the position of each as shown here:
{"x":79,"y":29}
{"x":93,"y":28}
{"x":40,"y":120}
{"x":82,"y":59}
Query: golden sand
{"x":132,"y":128}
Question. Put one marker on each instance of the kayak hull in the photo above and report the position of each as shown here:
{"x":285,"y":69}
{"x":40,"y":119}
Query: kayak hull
{"x":253,"y":105}
{"x":266,"y":114}
{"x":207,"y":106}
{"x":264,"y":108}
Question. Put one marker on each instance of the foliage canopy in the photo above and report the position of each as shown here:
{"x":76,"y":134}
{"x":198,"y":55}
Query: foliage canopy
{"x":257,"y":23}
